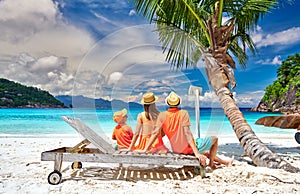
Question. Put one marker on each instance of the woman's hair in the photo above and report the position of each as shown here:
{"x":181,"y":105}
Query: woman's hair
{"x":151,"y":111}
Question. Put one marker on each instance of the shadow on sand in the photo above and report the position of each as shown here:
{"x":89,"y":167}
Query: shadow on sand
{"x":136,"y":173}
{"x":287,"y":153}
{"x":132,"y":173}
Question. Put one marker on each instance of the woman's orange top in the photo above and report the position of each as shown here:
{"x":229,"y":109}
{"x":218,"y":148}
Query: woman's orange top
{"x":145,"y":128}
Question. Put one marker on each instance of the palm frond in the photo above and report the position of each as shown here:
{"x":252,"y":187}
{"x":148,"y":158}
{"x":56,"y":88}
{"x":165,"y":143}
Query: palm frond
{"x":183,"y":13}
{"x":147,"y":8}
{"x":238,"y":52}
{"x":182,"y":25}
{"x":246,"y":13}
{"x":182,"y":48}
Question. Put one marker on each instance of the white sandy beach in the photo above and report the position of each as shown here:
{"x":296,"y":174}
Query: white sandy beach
{"x":22,"y":171}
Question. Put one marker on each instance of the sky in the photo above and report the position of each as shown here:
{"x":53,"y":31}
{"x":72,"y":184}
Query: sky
{"x":103,"y":49}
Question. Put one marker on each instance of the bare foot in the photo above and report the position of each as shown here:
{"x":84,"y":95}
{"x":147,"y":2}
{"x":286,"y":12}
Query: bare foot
{"x":209,"y":169}
{"x":214,"y":166}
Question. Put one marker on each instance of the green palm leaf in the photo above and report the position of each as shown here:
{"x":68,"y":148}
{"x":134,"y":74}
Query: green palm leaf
{"x":182,"y":25}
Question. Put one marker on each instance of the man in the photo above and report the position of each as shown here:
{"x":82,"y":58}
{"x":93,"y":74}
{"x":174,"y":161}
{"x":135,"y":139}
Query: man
{"x":175,"y":123}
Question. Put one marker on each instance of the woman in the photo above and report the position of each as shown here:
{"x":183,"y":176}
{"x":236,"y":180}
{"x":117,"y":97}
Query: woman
{"x":145,"y":125}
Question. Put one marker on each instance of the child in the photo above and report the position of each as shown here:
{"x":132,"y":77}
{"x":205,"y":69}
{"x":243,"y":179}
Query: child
{"x":122,"y":132}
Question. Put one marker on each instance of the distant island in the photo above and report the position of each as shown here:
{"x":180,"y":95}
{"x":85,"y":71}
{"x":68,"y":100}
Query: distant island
{"x":16,"y":95}
{"x":85,"y":102}
{"x":284,"y":94}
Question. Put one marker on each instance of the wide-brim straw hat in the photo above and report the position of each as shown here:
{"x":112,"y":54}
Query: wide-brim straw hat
{"x":149,"y":98}
{"x":173,"y":99}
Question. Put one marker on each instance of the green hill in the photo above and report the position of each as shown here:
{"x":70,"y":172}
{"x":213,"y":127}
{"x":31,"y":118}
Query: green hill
{"x":284,"y":94}
{"x":15,"y":95}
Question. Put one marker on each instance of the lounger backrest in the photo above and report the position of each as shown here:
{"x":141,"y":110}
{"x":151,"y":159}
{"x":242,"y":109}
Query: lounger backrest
{"x":89,"y":134}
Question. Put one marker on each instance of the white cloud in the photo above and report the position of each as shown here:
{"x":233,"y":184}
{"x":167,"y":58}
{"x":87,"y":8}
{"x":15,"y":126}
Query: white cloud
{"x":38,"y":48}
{"x":51,"y":49}
{"x":286,"y":37}
{"x":132,"y":12}
{"x":153,"y":83}
{"x":248,"y":99}
{"x":47,"y":73}
{"x":275,"y":61}
{"x":104,"y":20}
{"x":114,"y":78}
{"x":135,"y":98}
{"x":47,"y":63}
{"x":24,"y":58}
{"x":131,"y":62}
{"x":209,"y":99}
{"x":244,"y":100}
{"x":37,"y":28}
{"x":21,"y":19}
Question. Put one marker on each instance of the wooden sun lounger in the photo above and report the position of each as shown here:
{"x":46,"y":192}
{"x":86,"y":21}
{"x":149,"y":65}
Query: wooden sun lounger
{"x":105,"y":153}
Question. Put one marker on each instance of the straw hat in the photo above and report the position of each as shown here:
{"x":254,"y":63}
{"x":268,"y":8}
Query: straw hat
{"x":149,"y":98}
{"x":173,"y":99}
{"x":121,"y":113}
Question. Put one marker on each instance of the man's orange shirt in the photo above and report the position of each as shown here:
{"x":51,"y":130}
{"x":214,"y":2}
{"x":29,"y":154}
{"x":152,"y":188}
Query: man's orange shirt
{"x":123,"y":135}
{"x":172,"y":123}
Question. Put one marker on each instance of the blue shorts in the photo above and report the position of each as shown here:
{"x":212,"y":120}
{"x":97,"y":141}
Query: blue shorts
{"x":203,"y":144}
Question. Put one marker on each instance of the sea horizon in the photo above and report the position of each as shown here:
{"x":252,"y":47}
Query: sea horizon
{"x":20,"y":122}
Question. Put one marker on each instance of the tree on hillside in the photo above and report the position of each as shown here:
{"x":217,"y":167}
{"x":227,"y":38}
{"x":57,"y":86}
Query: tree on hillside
{"x":191,"y":29}
{"x":288,"y":78}
{"x":14,"y":94}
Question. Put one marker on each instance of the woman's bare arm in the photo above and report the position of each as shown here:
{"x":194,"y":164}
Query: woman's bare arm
{"x":136,"y":134}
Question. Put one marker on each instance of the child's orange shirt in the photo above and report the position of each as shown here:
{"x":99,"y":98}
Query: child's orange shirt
{"x":123,"y":135}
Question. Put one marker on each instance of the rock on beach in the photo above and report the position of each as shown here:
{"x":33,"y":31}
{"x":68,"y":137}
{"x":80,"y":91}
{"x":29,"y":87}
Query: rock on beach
{"x":285,"y":121}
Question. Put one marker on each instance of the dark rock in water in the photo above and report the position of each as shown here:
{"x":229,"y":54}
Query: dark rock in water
{"x":285,"y":121}
{"x":297,"y":137}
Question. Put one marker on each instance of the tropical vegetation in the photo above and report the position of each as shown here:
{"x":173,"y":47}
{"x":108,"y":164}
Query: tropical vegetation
{"x":14,"y":94}
{"x":190,"y":30}
{"x":288,"y":81}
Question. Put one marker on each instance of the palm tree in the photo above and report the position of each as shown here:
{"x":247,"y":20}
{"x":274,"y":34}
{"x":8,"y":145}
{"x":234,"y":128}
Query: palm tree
{"x":192,"y":29}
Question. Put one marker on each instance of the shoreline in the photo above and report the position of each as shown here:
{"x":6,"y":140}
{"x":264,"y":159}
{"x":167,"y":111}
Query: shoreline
{"x":22,"y":171}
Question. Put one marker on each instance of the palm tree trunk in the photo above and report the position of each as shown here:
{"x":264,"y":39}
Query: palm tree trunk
{"x":254,"y":148}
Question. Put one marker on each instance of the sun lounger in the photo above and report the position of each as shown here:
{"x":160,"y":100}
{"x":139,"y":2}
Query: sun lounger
{"x":105,"y":153}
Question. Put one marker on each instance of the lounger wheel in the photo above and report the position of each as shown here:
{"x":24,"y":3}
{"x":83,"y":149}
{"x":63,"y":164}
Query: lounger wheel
{"x":76,"y":165}
{"x":297,"y":137}
{"x":54,"y":177}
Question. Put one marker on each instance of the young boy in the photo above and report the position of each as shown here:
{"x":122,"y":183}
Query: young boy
{"x":122,"y":132}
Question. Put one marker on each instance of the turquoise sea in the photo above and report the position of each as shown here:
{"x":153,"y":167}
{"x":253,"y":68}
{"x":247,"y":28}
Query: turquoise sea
{"x":48,"y":122}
